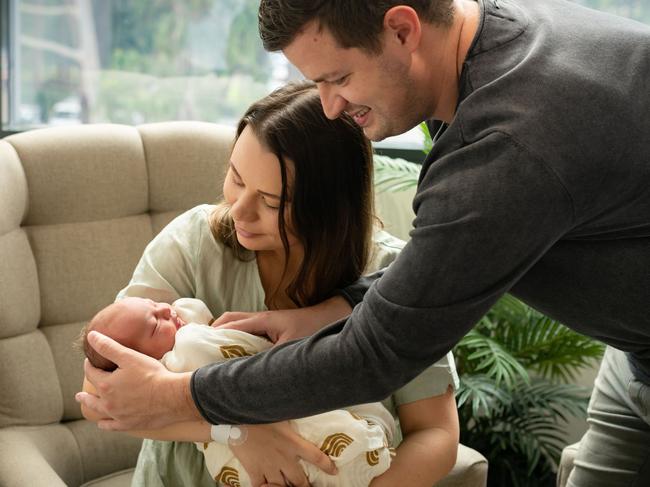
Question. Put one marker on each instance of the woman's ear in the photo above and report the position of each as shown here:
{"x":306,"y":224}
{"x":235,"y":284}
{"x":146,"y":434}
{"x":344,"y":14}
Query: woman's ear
{"x":403,"y":26}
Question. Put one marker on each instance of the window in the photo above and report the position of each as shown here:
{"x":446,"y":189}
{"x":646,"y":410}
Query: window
{"x":67,"y":62}
{"x":134,"y":61}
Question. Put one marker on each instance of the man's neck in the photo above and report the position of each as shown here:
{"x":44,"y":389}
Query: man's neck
{"x":444,"y":61}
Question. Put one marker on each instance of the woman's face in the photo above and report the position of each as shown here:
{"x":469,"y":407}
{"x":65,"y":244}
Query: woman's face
{"x":252,"y":188}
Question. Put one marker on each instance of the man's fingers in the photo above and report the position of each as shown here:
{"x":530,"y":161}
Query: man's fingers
{"x":109,"y":348}
{"x":94,"y":375}
{"x":90,"y":401}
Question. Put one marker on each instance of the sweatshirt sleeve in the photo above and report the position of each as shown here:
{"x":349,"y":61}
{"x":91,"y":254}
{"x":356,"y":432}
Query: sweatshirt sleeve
{"x":485,"y":214}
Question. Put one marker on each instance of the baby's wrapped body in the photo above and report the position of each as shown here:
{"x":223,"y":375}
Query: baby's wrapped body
{"x":357,"y":438}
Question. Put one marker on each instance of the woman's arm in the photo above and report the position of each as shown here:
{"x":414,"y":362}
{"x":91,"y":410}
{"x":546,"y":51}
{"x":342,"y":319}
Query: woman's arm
{"x":287,"y":324}
{"x":428,"y":451}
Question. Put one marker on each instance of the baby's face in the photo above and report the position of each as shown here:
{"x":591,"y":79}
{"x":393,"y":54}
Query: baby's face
{"x":144,"y":325}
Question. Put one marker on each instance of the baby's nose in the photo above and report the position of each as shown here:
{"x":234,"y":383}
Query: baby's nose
{"x":165,"y":310}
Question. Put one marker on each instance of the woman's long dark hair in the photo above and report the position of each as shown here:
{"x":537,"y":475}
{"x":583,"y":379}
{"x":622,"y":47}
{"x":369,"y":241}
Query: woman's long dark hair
{"x":331,"y":195}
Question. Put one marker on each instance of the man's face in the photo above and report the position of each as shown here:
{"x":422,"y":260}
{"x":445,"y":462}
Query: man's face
{"x":376,"y":90}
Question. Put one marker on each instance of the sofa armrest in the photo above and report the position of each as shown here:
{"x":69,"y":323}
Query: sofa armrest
{"x":470,"y":470}
{"x":566,"y":464}
{"x":23,"y":463}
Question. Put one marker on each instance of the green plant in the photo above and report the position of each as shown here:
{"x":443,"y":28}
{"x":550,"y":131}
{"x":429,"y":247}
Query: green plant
{"x":393,"y":174}
{"x":515,"y":367}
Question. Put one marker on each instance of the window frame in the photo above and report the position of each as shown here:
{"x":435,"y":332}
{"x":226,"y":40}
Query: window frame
{"x":5,"y":64}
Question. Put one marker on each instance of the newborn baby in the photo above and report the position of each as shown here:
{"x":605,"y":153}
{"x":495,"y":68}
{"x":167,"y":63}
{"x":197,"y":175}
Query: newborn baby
{"x":355,"y":438}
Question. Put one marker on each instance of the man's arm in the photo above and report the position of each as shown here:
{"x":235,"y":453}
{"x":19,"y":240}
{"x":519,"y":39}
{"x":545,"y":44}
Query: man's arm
{"x":484,"y":216}
{"x":355,"y":292}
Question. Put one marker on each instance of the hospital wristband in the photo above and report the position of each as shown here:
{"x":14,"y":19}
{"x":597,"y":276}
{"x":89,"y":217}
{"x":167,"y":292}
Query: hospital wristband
{"x":228,"y":435}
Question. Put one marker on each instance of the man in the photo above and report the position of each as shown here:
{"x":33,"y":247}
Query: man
{"x":537,"y":185}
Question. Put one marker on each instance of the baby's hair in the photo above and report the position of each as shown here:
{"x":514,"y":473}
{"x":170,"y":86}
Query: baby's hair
{"x":81,"y":343}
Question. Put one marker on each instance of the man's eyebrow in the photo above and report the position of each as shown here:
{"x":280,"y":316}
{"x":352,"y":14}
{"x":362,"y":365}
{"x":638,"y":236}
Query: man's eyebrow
{"x":270,"y":195}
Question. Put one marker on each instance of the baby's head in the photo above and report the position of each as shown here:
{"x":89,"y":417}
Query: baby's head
{"x":141,"y":324}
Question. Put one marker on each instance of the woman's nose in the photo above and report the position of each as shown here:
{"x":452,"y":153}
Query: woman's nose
{"x":243,"y":209}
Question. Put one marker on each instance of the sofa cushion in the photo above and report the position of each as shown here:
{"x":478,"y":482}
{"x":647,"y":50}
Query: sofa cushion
{"x":29,"y":389}
{"x":20,"y":306}
{"x":97,"y":174}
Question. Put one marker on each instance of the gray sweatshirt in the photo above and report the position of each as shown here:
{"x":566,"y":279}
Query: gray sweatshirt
{"x":539,"y":187}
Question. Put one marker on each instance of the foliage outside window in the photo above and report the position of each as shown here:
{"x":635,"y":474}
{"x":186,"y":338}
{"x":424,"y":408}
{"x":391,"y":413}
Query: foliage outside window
{"x":136,"y":61}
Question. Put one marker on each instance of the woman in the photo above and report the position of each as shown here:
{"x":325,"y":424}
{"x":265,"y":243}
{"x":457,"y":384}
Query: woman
{"x":296,"y":224}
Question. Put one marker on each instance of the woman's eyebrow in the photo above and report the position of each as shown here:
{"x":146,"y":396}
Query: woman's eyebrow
{"x":264,"y":193}
{"x":270,"y":195}
{"x":232,"y":166}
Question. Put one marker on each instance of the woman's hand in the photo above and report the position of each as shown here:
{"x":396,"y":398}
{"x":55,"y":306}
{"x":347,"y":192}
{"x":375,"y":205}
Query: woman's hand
{"x":287,"y":324}
{"x":271,"y":452}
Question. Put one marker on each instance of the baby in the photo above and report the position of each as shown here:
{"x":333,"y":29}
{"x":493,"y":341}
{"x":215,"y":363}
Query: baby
{"x":355,"y":438}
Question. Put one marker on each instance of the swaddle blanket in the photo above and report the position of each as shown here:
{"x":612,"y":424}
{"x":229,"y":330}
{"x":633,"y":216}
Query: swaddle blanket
{"x":355,"y":438}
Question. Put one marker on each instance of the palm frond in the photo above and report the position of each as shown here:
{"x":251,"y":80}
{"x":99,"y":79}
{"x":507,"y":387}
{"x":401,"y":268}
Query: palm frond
{"x":539,"y":343}
{"x":545,"y":397}
{"x":485,"y":355}
{"x":394,"y":174}
{"x":481,"y":394}
{"x":428,"y":141}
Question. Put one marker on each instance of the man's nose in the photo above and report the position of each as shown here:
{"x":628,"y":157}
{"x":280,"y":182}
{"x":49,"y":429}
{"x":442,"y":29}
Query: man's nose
{"x":333,"y":103}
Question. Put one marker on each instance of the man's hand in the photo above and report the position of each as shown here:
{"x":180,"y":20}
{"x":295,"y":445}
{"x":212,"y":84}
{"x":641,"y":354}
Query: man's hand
{"x":271,"y":452}
{"x":140,"y":394}
{"x":287,"y":324}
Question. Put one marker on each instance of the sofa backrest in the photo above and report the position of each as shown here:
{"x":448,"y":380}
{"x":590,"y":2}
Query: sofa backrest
{"x":77,"y":207}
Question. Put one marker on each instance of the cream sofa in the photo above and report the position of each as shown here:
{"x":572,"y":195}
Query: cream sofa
{"x":77,"y":207}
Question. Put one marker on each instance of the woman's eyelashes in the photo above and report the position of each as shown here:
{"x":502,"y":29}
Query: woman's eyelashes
{"x":271,"y":207}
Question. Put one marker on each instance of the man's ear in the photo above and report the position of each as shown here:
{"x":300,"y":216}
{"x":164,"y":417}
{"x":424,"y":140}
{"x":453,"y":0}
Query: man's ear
{"x":403,"y":26}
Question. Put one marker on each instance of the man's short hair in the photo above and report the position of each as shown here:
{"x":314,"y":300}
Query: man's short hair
{"x":353,"y":23}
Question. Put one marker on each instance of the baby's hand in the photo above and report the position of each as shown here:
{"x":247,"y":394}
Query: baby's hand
{"x":271,"y":452}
